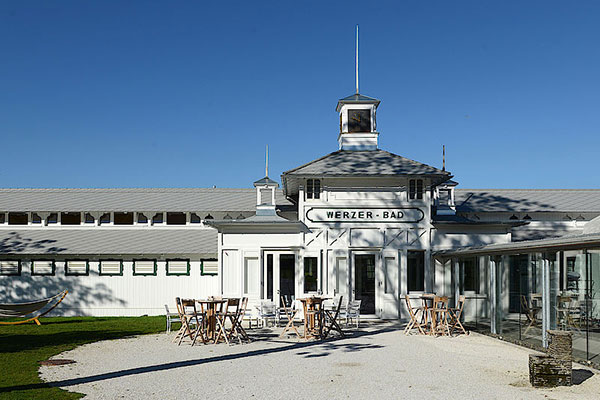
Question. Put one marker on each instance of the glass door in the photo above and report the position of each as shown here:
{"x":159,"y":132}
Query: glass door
{"x":364,"y":282}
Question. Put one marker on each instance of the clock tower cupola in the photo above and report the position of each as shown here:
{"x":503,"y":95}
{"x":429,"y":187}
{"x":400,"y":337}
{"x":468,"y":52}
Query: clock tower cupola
{"x":358,"y":128}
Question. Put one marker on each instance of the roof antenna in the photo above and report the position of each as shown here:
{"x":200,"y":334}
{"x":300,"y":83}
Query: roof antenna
{"x":356,"y":58}
{"x":267,"y":163}
{"x":443,"y":157}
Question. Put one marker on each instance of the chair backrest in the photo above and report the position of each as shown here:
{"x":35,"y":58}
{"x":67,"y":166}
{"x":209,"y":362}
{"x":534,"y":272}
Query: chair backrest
{"x":525,"y":304}
{"x":179,"y":306}
{"x":188,"y":306}
{"x":232,"y":306}
{"x":409,"y":306}
{"x":267,"y":307}
{"x":440,"y":303}
{"x":243,"y":306}
{"x":338,"y":307}
{"x":354,"y":306}
{"x":167,"y":309}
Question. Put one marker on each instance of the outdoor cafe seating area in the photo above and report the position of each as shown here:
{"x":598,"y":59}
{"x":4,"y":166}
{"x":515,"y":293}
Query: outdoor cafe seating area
{"x":434,"y":316}
{"x":220,"y":320}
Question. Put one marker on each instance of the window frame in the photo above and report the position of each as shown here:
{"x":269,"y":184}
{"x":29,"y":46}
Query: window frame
{"x":187,"y":260}
{"x":87,"y":267}
{"x":100,"y":273}
{"x":33,"y":273}
{"x":19,"y":268}
{"x":145,"y":259}
{"x":423,"y":253}
{"x":203,"y":273}
{"x":414,"y":194}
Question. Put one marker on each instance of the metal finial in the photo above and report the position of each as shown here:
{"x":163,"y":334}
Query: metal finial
{"x":357,"y":59}
{"x":443,"y":157}
{"x":267,"y":162}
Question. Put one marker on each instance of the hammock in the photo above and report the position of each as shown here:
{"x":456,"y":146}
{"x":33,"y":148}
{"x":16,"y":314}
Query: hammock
{"x":24,"y":309}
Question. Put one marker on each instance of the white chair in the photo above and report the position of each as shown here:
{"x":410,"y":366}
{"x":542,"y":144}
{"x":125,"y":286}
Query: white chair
{"x":267,"y":311}
{"x":171,"y":317}
{"x":353,"y":312}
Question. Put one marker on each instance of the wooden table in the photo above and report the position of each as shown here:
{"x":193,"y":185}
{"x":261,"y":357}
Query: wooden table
{"x":313,"y":318}
{"x":211,"y":311}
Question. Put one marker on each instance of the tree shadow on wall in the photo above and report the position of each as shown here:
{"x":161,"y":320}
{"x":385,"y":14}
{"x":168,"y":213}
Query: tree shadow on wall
{"x":27,"y":287}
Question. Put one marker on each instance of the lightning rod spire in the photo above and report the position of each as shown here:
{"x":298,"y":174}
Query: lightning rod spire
{"x":356,"y":58}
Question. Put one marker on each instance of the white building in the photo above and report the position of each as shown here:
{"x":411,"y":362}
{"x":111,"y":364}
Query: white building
{"x":361,"y":222}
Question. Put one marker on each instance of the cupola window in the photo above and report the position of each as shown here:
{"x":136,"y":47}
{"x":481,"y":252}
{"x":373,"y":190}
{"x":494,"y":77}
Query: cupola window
{"x":313,"y":188}
{"x":415,"y":189}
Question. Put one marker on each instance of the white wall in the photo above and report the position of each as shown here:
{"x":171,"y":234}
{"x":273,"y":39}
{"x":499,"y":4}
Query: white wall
{"x":97,"y":295}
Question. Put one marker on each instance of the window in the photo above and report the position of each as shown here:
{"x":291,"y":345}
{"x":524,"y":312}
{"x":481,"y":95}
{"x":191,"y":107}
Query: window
{"x":35,"y":218}
{"x":251,"y":275}
{"x":144,"y":267}
{"x":209,"y":267}
{"x":158,"y":218}
{"x":194,"y":218}
{"x":415,"y":189}
{"x":18,"y":218}
{"x":176,"y":218}
{"x":77,"y":267}
{"x":208,"y":216}
{"x":52,"y":218}
{"x":88,"y":218}
{"x":310,"y":274}
{"x":10,"y":267}
{"x":104,"y":219}
{"x":42,"y":267}
{"x":111,"y":268}
{"x":416,"y":271}
{"x":123,"y":218}
{"x":313,"y":188}
{"x":470,"y":275}
{"x":178,"y":267}
{"x":142,"y":219}
{"x":2,"y":218}
{"x":70,"y":218}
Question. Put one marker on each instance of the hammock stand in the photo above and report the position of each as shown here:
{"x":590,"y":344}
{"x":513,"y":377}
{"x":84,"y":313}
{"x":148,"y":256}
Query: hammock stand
{"x":24,"y":309}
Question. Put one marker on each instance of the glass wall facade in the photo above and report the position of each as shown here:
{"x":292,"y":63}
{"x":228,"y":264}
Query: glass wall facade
{"x":520,"y":296}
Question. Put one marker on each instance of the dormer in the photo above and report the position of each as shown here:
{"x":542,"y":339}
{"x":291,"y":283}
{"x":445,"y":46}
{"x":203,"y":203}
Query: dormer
{"x":358,"y":126}
{"x":265,"y":196}
{"x":444,"y":198}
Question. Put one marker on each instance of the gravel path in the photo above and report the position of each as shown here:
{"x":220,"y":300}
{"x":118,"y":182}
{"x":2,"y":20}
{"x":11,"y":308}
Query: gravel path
{"x":377,"y":362}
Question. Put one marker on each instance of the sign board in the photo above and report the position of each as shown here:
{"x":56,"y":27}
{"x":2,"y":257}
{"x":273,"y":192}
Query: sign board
{"x":365,"y":214}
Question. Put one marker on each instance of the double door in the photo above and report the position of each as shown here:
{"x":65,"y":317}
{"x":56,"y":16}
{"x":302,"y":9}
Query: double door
{"x":370,"y":276}
{"x":280,"y":277}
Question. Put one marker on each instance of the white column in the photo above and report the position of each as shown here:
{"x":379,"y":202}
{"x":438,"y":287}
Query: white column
{"x":493,"y":295}
{"x":456,"y":272}
{"x":545,"y":300}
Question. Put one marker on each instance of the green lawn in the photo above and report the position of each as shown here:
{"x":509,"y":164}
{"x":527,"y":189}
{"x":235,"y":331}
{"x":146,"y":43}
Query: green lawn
{"x":22,"y":347}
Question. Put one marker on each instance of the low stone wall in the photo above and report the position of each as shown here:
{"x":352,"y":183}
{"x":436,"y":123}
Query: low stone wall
{"x":555,"y":368}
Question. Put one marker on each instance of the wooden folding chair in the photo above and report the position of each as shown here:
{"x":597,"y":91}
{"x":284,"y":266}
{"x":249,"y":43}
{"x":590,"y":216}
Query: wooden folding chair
{"x":230,"y":310}
{"x":192,"y":322}
{"x":530,"y":313}
{"x":291,"y":315}
{"x":331,"y":320}
{"x":439,"y":320}
{"x":415,"y":318}
{"x":455,"y":314}
{"x":236,"y":319}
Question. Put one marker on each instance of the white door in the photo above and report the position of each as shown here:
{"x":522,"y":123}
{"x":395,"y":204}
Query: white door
{"x":279,"y":276}
{"x":387,"y":285}
{"x":363,"y":280}
{"x":338,"y":270}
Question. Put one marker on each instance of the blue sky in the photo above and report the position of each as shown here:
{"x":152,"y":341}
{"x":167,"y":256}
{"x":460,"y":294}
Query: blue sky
{"x":187,"y":94}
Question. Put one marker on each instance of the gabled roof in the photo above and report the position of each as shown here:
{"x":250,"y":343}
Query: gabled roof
{"x":364,"y":163}
{"x":361,"y":163}
{"x":528,"y":200}
{"x":357,"y":99}
{"x":137,"y":199}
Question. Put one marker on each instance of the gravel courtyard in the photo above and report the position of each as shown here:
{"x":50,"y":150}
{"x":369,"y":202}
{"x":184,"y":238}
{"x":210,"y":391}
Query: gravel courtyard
{"x":376,"y":362}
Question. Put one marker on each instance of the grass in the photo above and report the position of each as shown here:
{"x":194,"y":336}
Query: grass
{"x":22,"y":347}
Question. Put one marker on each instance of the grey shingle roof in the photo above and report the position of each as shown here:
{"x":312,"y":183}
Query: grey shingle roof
{"x":528,"y":200}
{"x":167,"y":199}
{"x":49,"y":241}
{"x":364,"y":163}
{"x":356,"y":99}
